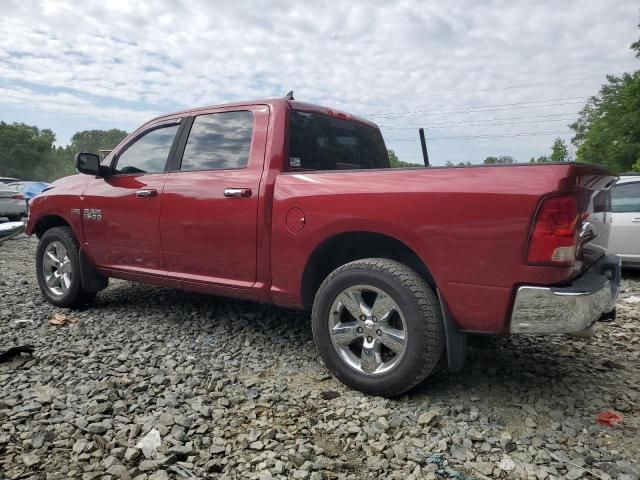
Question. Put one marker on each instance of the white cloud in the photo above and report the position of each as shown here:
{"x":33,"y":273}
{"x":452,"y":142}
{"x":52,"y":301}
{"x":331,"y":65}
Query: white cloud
{"x":125,"y":60}
{"x":69,"y":104}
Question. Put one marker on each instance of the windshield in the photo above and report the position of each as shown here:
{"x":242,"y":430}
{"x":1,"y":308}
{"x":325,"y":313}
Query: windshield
{"x":323,"y":142}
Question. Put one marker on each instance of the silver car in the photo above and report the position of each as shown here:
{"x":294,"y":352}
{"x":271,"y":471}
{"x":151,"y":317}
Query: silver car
{"x":12,"y":203}
{"x":624,"y":238}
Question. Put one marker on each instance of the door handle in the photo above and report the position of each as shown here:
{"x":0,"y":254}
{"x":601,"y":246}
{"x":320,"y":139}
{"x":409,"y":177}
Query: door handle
{"x":146,"y":193}
{"x":237,"y":192}
{"x":636,"y":220}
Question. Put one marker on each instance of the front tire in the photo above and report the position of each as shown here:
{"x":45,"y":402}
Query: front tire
{"x":58,"y":268}
{"x":378,"y":326}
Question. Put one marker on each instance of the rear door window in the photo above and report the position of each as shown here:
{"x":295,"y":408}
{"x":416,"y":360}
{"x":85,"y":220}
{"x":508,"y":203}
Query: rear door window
{"x":625,"y":197}
{"x":219,"y":141}
{"x":322,"y":142}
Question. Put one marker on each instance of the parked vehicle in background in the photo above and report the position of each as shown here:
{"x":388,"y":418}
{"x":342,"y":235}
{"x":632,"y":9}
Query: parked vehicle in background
{"x":296,"y":204}
{"x":8,"y":179}
{"x":624,"y":239}
{"x":9,"y":230}
{"x":12,"y":203}
{"x":30,"y":189}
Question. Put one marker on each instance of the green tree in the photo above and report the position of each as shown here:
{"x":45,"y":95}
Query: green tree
{"x":94,"y":140}
{"x":608,"y":129}
{"x":636,"y":46}
{"x":559,"y":151}
{"x":64,"y":160}
{"x":500,"y":159}
{"x":540,"y":159}
{"x":26,"y":152}
{"x":397,"y":163}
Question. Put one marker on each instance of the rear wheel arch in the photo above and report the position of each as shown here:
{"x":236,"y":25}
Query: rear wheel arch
{"x":346,"y":247}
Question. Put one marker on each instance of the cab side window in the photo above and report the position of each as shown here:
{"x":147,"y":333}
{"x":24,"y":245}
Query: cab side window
{"x":219,"y":141}
{"x":149,"y":153}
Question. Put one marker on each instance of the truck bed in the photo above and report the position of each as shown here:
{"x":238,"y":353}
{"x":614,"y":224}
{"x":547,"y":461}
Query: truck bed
{"x":468,"y":225}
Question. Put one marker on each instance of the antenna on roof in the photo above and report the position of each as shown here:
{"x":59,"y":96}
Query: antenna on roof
{"x":289,"y":96}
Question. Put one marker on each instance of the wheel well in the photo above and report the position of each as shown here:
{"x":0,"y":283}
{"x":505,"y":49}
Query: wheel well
{"x":50,"y":221}
{"x":347,"y":247}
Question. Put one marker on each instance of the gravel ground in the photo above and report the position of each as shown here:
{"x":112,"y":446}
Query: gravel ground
{"x":233,"y":389}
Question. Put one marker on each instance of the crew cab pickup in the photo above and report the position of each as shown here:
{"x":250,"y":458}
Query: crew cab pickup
{"x":295,"y":204}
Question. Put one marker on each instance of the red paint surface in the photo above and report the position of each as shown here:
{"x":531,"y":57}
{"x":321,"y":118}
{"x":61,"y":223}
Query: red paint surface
{"x":469,"y":226}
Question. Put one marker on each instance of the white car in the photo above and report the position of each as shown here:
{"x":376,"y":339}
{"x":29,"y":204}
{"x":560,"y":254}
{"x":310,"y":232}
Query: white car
{"x":12,"y":203}
{"x":624,"y":239}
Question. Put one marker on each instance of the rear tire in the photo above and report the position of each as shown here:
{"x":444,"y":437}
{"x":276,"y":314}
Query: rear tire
{"x":58,"y":269}
{"x":378,"y":326}
{"x":14,"y":218}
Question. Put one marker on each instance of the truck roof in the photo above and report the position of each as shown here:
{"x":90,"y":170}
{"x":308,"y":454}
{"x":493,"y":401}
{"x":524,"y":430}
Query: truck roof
{"x":271,"y":102}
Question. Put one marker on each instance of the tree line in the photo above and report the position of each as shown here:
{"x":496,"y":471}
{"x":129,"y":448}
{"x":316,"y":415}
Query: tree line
{"x":559,"y":153}
{"x":29,"y":153}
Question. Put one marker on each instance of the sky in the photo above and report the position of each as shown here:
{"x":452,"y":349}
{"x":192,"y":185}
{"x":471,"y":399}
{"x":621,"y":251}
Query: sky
{"x":483,"y":78}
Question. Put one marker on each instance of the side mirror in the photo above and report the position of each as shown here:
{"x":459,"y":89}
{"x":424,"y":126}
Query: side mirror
{"x":89,"y":163}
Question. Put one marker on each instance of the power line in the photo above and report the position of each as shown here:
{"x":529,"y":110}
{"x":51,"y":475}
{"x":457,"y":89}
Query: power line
{"x":482,"y":124}
{"x":477,"y":120}
{"x":486,"y":135}
{"x":468,"y":112}
{"x":481,"y":108}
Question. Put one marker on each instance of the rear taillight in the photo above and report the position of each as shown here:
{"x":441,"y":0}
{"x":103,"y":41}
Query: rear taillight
{"x":18,"y":197}
{"x":554,"y":235}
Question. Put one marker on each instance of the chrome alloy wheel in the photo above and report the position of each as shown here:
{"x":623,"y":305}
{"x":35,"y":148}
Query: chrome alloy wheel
{"x":367,"y":329}
{"x":56,"y":268}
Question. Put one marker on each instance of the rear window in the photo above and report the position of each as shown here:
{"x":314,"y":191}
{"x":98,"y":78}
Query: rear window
{"x":219,"y":141}
{"x":625,"y":198}
{"x":322,"y":142}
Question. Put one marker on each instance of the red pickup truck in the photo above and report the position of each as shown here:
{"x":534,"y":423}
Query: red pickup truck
{"x":285,"y":202}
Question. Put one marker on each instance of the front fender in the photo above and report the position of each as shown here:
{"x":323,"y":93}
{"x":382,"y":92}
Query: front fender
{"x":59,"y":204}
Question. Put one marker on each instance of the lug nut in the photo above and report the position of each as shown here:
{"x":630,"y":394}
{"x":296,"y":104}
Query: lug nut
{"x":359,"y":330}
{"x":379,"y":332}
{"x":369,"y":339}
{"x":375,"y":319}
{"x":363,"y":318}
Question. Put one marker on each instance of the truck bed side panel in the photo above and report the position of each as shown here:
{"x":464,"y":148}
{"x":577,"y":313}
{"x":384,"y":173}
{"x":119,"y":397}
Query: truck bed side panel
{"x":469,"y":228}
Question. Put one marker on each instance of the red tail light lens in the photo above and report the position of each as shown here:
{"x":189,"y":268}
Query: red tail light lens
{"x":18,"y":197}
{"x":554,"y":236}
